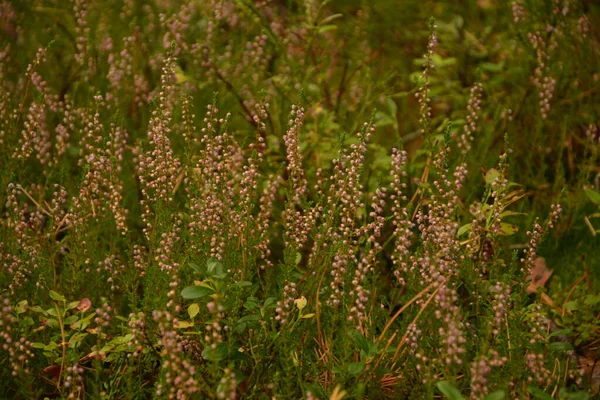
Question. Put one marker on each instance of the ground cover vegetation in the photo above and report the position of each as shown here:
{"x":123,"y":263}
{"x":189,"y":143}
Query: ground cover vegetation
{"x":299,"y":199}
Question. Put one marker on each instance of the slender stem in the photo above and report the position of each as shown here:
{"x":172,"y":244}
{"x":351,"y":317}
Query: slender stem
{"x":63,"y":344}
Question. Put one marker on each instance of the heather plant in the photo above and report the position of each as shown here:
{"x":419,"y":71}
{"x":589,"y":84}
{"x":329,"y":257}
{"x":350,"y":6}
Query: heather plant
{"x":267,"y":199}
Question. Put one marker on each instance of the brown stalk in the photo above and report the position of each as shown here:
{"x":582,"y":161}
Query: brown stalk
{"x":42,"y":209}
{"x":404,"y":307}
{"x":403,"y":340}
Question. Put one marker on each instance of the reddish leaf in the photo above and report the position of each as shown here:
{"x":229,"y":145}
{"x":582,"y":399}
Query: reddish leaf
{"x":538,"y":275}
{"x":84,"y":304}
{"x":53,"y":370}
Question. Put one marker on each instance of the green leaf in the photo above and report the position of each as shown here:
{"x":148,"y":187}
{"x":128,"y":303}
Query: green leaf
{"x":360,"y":341}
{"x":491,"y":175}
{"x":308,"y":316}
{"x":560,"y":332}
{"x":217,"y":354}
{"x":270,"y":302}
{"x":72,"y":305}
{"x":508,"y":229}
{"x":247,"y":318}
{"x":356,"y":368}
{"x":538,"y":393}
{"x":196,"y":292}
{"x":38,"y":310}
{"x":51,"y":346}
{"x":497,"y":395}
{"x":463,"y":229}
{"x":71,"y":319}
{"x":193,"y":310}
{"x":331,"y":18}
{"x":83,"y":323}
{"x":241,"y":328}
{"x":78,"y":337}
{"x":184,"y":324}
{"x":21,"y":307}
{"x":382,"y":120}
{"x":197,"y":269}
{"x":56,"y":296}
{"x":574,"y":396}
{"x":242,"y":284}
{"x":591,"y":299}
{"x":560,"y":346}
{"x":571,"y":305}
{"x":509,"y":213}
{"x":214,"y":267}
{"x":449,"y":390}
{"x":327,"y":28}
{"x":593,"y":196}
{"x":491,"y":67}
{"x":251,"y":304}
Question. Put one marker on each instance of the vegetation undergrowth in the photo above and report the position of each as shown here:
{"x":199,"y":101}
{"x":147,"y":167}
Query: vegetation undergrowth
{"x":299,"y":199}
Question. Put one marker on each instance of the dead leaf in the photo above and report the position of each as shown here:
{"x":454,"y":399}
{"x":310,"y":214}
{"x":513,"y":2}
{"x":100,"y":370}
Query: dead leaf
{"x":538,"y":275}
{"x":84,"y":304}
{"x":591,"y":369}
{"x":53,"y":370}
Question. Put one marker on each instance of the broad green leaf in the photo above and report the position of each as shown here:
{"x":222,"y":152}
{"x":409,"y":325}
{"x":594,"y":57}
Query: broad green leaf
{"x":593,"y":196}
{"x":355,"y":368}
{"x":51,"y":346}
{"x":270,"y":302}
{"x":247,"y":318}
{"x":591,"y":299}
{"x":491,"y":175}
{"x":360,"y":340}
{"x":560,"y":346}
{"x":122,"y":339}
{"x":197,"y":269}
{"x":56,"y":296}
{"x":382,"y":120}
{"x":241,"y":328}
{"x":193,"y":310}
{"x":564,"y":394}
{"x":561,"y":332}
{"x":184,"y":324}
{"x":491,"y":67}
{"x":508,"y":229}
{"x":83,"y":323}
{"x":538,"y":393}
{"x":508,"y":213}
{"x":463,"y":229}
{"x":72,"y":305}
{"x":71,"y":319}
{"x":38,"y":310}
{"x":212,"y":265}
{"x":497,"y":395}
{"x":196,"y":292}
{"x":217,"y":354}
{"x":21,"y":307}
{"x":78,"y":337}
{"x":571,"y":305}
{"x":327,"y":28}
{"x":242,"y":284}
{"x":449,"y":390}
